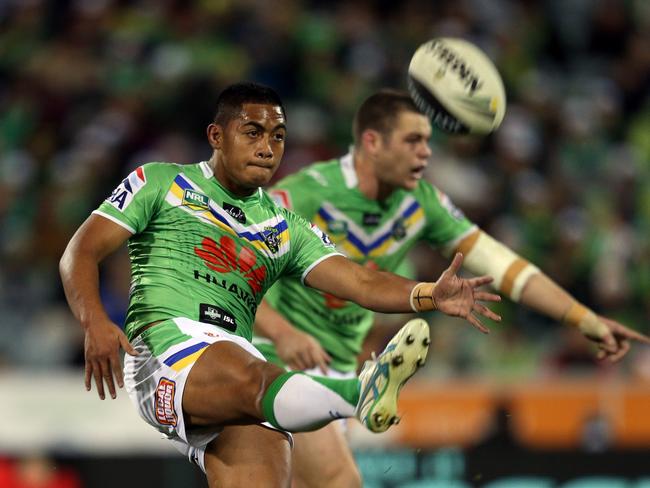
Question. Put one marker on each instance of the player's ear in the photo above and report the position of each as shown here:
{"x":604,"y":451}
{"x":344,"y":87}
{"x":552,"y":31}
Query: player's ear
{"x":371,"y":141}
{"x":215,"y":135}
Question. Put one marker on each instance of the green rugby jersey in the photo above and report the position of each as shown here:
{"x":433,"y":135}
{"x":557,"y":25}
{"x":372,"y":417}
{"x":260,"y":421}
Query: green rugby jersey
{"x":200,"y":252}
{"x":372,"y":233}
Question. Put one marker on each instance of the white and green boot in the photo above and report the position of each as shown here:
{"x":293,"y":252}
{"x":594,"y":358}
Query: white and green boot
{"x":382,"y":377}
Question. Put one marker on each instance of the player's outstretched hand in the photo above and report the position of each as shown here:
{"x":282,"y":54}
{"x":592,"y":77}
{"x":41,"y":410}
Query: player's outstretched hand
{"x":102,"y":352}
{"x":615,"y":341}
{"x":460,"y":297}
{"x":301,"y":351}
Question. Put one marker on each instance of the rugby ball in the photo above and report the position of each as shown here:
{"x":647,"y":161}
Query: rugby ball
{"x":455,"y":83}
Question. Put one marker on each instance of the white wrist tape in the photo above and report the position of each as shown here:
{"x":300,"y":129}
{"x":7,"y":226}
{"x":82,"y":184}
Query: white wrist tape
{"x":421,"y":298}
{"x":486,"y":256}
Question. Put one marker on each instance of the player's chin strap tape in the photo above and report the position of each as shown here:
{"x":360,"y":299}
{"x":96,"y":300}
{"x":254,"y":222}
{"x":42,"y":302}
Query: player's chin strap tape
{"x":587,"y":321}
{"x":487,"y":256}
{"x":421,"y":298}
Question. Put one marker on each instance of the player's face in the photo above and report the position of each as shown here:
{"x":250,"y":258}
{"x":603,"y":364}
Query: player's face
{"x":250,"y":147}
{"x":405,"y":151}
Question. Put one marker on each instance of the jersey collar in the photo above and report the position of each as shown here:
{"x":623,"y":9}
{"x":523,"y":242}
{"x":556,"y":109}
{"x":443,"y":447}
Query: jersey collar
{"x":208,"y":173}
{"x":349,"y":173}
{"x":207,"y":170}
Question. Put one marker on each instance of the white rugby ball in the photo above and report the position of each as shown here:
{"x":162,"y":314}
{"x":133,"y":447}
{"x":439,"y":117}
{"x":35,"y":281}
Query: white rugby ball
{"x":457,"y":86}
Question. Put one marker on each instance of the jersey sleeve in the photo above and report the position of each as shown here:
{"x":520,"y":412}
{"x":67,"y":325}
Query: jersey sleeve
{"x":445,"y":223}
{"x":309,"y":246}
{"x":135,"y":200}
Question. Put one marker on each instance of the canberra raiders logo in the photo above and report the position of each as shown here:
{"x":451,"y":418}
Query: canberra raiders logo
{"x":271,"y":237}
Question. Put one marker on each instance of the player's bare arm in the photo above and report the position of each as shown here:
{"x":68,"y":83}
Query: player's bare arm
{"x":296,"y":348}
{"x":385,"y":292}
{"x":79,"y":267}
{"x":523,"y":282}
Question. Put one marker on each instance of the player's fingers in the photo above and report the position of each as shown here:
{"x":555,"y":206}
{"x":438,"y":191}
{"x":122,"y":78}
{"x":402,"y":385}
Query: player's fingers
{"x":609,"y":344}
{"x":97,"y":375}
{"x":303,"y":361}
{"x":486,"y":312}
{"x":326,"y":356}
{"x":455,"y":264}
{"x":625,"y":347}
{"x":87,"y":375}
{"x":107,"y":375}
{"x":634,"y":335}
{"x":322,"y":364}
{"x":477,"y":324}
{"x":601,"y":354}
{"x":294,"y":362}
{"x":486,"y":296}
{"x":480,"y":281}
{"x":293,"y":365}
{"x":116,"y":367}
{"x":126,"y":345}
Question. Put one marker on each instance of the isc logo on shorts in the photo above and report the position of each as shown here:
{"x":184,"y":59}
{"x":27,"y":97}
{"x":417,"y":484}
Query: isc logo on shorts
{"x":164,"y":407}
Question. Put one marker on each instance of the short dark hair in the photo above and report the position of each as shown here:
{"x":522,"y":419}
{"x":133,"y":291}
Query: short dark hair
{"x":380,"y":111}
{"x":232,"y":99}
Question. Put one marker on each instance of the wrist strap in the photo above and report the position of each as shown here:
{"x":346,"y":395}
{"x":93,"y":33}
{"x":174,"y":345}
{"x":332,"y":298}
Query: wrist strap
{"x":421,"y":298}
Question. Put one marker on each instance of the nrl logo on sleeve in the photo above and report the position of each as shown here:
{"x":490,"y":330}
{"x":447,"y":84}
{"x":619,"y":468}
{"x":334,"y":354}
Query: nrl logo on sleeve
{"x":195,"y":200}
{"x":123,"y":195}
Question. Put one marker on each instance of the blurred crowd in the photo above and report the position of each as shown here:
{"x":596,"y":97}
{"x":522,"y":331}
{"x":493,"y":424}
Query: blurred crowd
{"x":89,"y":89}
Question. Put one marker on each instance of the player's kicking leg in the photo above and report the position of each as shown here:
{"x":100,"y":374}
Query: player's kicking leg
{"x":230,"y":385}
{"x":210,"y":379}
{"x":382,"y":377}
{"x":322,"y":458}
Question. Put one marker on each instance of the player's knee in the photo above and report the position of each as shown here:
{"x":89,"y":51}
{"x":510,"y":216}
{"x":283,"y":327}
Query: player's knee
{"x":259,"y":375}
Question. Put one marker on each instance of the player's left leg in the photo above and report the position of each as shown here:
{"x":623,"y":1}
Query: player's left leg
{"x":249,"y":455}
{"x":322,"y":459}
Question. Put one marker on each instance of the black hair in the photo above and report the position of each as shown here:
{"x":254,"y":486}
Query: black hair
{"x":232,"y":99}
{"x":380,"y":111}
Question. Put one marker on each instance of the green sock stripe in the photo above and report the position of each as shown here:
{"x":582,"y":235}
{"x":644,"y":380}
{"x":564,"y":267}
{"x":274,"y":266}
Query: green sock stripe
{"x":349,"y":389}
{"x":269,"y":397}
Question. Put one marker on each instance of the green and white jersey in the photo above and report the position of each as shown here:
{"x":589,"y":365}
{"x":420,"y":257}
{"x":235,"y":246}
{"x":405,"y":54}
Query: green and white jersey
{"x":200,"y":252}
{"x":372,"y":233}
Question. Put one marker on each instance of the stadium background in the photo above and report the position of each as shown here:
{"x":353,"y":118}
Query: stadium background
{"x":91,"y":88}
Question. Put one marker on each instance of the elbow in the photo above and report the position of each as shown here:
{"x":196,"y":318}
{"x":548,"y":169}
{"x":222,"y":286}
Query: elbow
{"x":65,"y":262}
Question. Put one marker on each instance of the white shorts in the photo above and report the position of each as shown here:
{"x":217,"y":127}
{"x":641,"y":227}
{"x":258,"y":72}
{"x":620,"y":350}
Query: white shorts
{"x":155,"y":382}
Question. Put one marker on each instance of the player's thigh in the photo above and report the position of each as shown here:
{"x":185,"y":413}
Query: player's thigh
{"x":249,"y":455}
{"x":323,"y":459}
{"x":226,"y":385}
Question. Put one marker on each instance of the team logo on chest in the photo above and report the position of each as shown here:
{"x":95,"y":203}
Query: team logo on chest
{"x":399,"y":229}
{"x":271,"y":237}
